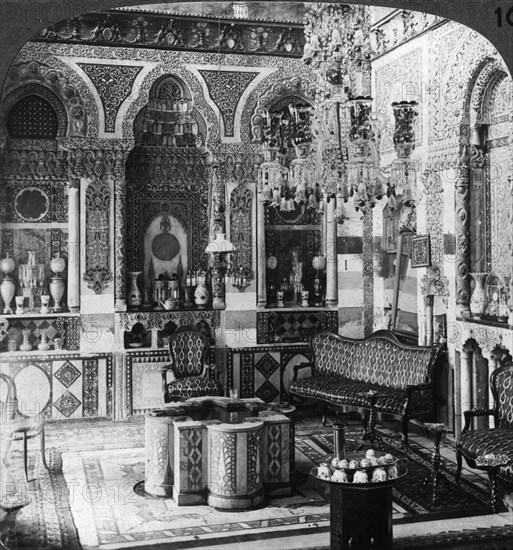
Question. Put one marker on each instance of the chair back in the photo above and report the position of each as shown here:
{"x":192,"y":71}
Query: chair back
{"x":8,"y":399}
{"x":501,"y":382}
{"x":188,"y":348}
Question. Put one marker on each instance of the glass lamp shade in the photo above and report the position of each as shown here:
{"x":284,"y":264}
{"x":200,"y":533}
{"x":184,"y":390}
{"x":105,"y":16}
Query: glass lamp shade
{"x":319,"y":263}
{"x":220,"y":245}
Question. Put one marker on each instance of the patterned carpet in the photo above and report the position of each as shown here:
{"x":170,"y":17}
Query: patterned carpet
{"x":91,"y":498}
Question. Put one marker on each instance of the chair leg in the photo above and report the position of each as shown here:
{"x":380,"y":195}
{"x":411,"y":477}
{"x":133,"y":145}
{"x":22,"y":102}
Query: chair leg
{"x":324,"y":408}
{"x":405,"y":430}
{"x":43,"y":449}
{"x":25,"y":457}
{"x":459,"y":461}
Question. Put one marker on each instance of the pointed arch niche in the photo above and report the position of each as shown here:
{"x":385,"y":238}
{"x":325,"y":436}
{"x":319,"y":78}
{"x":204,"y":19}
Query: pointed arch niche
{"x":483,"y":197}
{"x":167,"y":193}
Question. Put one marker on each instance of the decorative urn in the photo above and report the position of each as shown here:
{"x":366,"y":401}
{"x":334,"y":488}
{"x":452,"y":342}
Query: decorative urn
{"x":7,"y":287}
{"x":57,"y":285}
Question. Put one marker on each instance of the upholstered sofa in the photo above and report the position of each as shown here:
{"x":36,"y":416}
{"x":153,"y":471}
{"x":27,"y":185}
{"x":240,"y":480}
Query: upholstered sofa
{"x":343,"y":369}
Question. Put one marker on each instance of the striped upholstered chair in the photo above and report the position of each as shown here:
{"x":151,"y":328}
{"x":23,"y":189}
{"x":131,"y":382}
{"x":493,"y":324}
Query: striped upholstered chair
{"x":188,"y":374}
{"x":491,"y":441}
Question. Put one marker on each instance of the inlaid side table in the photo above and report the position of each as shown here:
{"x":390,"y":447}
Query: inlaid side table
{"x":437,"y":429}
{"x":492,"y":463}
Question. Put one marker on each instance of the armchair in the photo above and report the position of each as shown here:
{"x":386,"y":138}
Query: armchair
{"x":187,"y":375}
{"x":473,"y":445}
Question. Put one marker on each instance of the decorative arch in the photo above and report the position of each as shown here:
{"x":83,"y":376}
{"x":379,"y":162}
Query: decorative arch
{"x":292,"y":88}
{"x":193,"y":89}
{"x":66,"y":84}
{"x":43,"y":92}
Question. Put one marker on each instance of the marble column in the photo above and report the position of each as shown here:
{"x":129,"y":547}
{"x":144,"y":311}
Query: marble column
{"x":260,"y":252}
{"x":463,"y":236}
{"x":428,"y":303}
{"x":74,"y":245}
{"x":120,"y":243}
{"x":331,"y":254}
{"x":466,"y":380}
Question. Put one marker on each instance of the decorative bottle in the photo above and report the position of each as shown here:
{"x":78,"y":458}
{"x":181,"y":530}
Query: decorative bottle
{"x":44,"y":345}
{"x":201,"y":294}
{"x":57,"y":285}
{"x":26,"y":345}
{"x":134,"y":294}
{"x":7,"y":287}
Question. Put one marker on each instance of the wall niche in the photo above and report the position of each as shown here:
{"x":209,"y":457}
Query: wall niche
{"x":167,"y":176}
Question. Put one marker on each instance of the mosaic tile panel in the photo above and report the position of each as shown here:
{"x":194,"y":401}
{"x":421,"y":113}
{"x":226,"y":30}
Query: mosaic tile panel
{"x":257,"y":377}
{"x":267,"y":365}
{"x":90,"y":388}
{"x":297,"y":326}
{"x":267,"y":392}
{"x":67,"y":374}
{"x":67,"y":404}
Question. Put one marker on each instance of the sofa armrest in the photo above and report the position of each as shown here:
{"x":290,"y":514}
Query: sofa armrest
{"x":300,"y":366}
{"x":473,"y":413}
{"x":417,"y":391}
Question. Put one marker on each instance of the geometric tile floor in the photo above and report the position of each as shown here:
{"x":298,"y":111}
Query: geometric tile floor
{"x":88,"y":435}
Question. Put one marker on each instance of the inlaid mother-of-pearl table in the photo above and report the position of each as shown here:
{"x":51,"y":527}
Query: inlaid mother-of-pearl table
{"x":230,"y":454}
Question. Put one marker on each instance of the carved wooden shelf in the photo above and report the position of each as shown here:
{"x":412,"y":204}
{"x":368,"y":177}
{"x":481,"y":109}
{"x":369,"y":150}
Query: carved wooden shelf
{"x":484,"y":322}
{"x":30,"y":315}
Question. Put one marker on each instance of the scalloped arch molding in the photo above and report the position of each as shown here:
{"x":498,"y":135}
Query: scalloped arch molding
{"x":21,"y":20}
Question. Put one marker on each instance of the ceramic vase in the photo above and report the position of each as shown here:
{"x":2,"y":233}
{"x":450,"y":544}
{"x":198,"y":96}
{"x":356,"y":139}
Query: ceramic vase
{"x":477,"y":300}
{"x":134,"y":294}
{"x":44,"y":345}
{"x":201,"y":295}
{"x":7,"y":287}
{"x":26,"y":345}
{"x":57,"y":288}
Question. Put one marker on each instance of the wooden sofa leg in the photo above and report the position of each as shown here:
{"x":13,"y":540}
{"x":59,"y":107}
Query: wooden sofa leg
{"x":405,"y":430}
{"x":459,"y":461}
{"x":324,"y":409}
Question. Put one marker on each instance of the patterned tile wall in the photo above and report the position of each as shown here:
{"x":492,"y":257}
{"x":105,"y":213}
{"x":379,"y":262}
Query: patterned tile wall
{"x":264,"y":371}
{"x":61,"y":387}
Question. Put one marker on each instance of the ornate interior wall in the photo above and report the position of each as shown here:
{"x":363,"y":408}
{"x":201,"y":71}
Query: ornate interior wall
{"x":99,"y":85}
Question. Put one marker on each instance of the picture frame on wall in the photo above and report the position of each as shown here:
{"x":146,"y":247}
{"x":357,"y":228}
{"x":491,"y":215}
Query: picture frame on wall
{"x":420,"y":251}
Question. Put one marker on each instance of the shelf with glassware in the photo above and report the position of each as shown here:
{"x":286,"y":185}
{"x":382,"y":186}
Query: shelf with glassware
{"x":154,"y":314}
{"x":40,"y":320}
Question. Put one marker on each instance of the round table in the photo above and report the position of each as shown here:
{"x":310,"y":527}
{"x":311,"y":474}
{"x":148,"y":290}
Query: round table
{"x":360,"y":514}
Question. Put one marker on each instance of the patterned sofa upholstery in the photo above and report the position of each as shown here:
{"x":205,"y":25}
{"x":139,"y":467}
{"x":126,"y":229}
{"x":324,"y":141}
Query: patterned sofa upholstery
{"x":497,"y":440}
{"x":344,"y":368}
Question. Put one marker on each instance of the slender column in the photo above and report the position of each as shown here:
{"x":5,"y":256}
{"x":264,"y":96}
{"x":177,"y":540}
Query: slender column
{"x":463,"y":235}
{"x":428,"y":302}
{"x":331,"y":254}
{"x":260,"y":252}
{"x":493,"y":362}
{"x":74,"y":245}
{"x":120,"y":242}
{"x":466,"y":380}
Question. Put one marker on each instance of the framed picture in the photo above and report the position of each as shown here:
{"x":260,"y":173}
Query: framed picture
{"x":420,"y":251}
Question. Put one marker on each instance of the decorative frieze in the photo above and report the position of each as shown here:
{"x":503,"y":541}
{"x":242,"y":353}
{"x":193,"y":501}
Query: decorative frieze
{"x":178,"y":32}
{"x":225,"y":88}
{"x":114,"y":84}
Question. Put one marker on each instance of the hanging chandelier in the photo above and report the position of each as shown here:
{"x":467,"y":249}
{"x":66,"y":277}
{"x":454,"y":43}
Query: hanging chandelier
{"x":326,"y":150}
